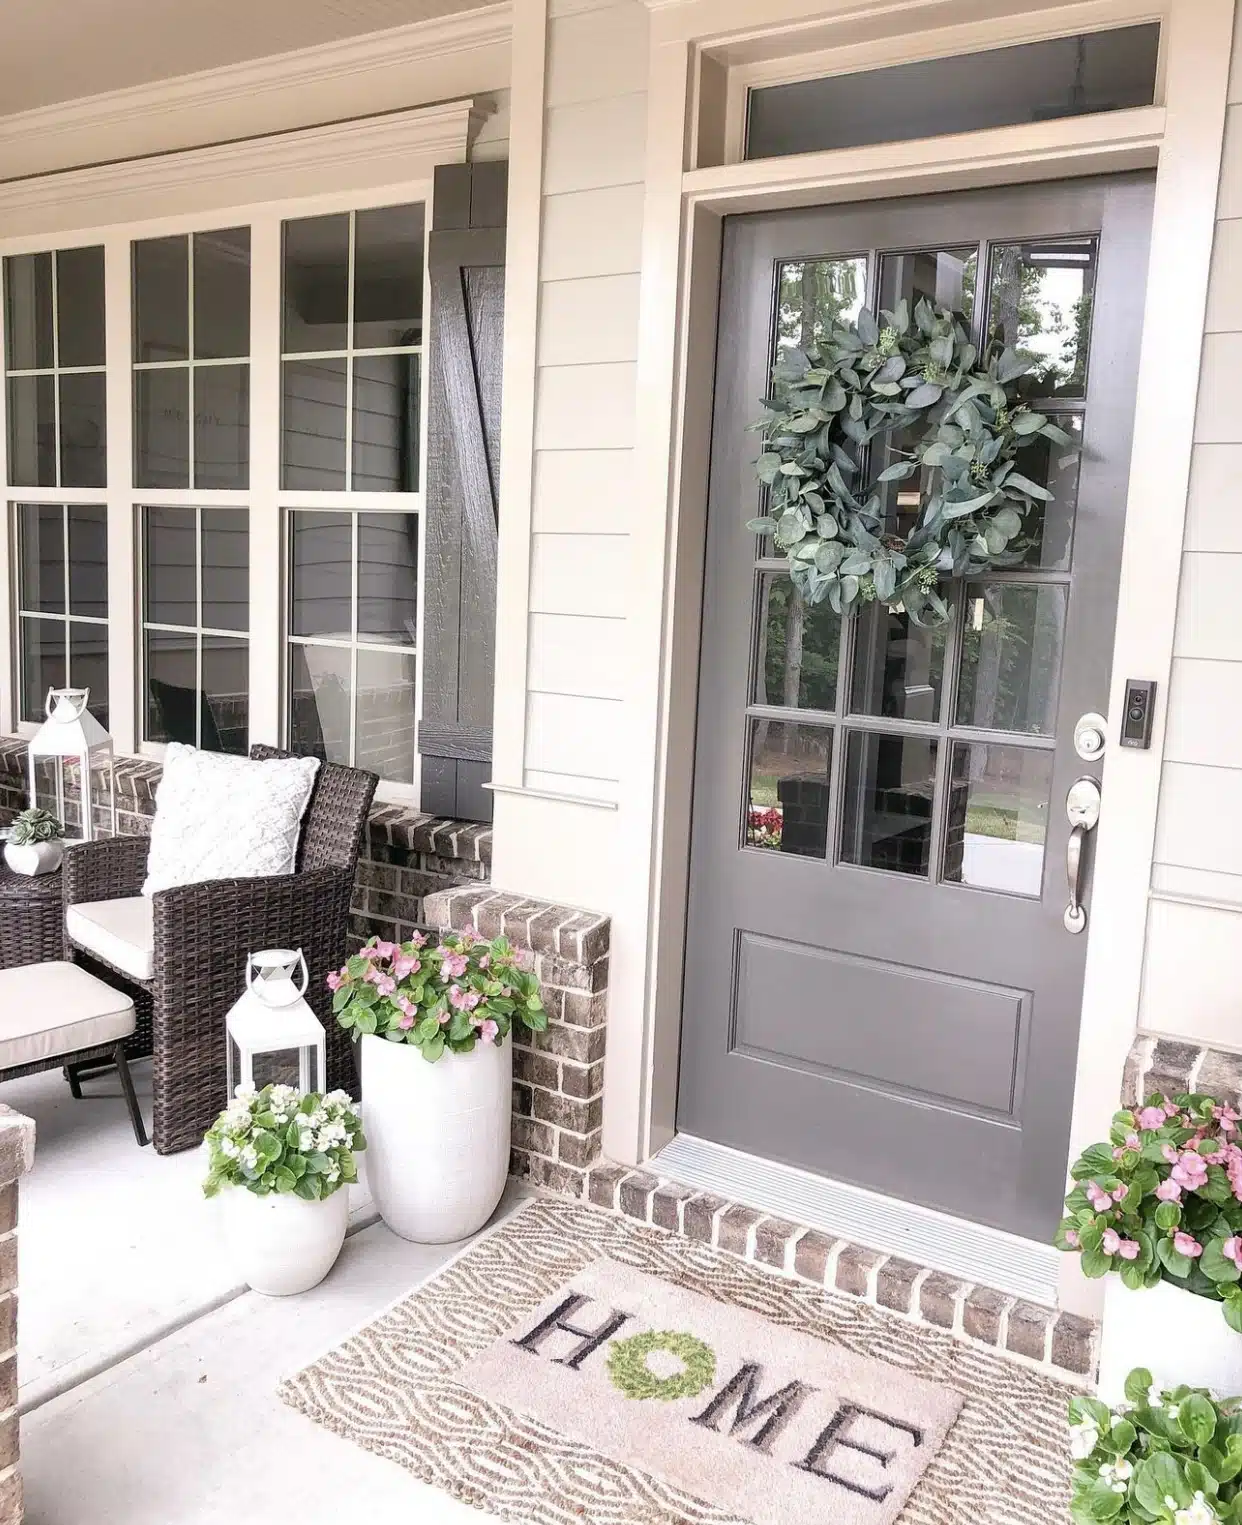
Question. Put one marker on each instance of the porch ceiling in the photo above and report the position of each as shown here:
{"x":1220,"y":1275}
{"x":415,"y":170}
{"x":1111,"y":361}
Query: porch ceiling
{"x":58,"y":50}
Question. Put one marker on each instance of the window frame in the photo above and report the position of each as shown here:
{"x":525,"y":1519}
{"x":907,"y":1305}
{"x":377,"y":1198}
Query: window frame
{"x":266,"y":500}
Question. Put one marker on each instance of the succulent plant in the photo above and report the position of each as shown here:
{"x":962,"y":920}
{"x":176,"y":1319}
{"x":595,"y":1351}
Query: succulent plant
{"x":35,"y":826}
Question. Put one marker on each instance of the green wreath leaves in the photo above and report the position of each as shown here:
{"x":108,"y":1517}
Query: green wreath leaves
{"x":864,"y":384}
{"x":630,"y":1374}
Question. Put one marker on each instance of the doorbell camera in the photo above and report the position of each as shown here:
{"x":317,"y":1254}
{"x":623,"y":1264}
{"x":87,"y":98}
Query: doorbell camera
{"x":1136,"y":720}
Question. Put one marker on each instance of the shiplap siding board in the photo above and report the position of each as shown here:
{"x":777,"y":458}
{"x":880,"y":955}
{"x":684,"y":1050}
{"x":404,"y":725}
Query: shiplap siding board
{"x":1200,"y":822}
{"x":1200,"y":689}
{"x":1207,"y":611}
{"x":1190,"y":982}
{"x":1213,"y":522}
{"x":1219,"y":417}
{"x":595,"y":123}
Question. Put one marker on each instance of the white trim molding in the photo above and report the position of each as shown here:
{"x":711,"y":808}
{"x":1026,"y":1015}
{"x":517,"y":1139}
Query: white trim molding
{"x":381,"y":71}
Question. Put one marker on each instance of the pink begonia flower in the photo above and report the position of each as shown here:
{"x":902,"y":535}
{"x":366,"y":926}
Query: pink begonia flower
{"x":1232,"y":1250}
{"x":1186,"y":1244}
{"x":486,"y":961}
{"x":1226,"y":1117}
{"x":1171,"y":1153}
{"x":525,"y":959}
{"x":373,"y":976}
{"x":465,"y":939}
{"x":1169,"y":1191}
{"x":1098,"y":1197}
{"x":454,"y":965}
{"x":385,"y":984}
{"x":1121,"y":1193}
{"x":488,"y":1031}
{"x":1234,"y":1168}
{"x":1151,"y":1118}
{"x":1071,"y":1238}
{"x":464,"y":1000}
{"x":385,"y":950}
{"x":1170,"y":1108}
{"x":406,"y":1020}
{"x":334,"y":980}
{"x":1114,"y":1244}
{"x":366,"y":952}
{"x":444,"y":1017}
{"x":406,"y":963}
{"x":1190,"y":1170}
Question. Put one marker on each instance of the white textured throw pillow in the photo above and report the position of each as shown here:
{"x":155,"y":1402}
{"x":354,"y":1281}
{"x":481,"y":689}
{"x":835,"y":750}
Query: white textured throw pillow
{"x":222,"y":817}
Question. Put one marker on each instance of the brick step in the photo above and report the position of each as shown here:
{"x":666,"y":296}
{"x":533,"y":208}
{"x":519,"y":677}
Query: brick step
{"x":1061,"y":1345}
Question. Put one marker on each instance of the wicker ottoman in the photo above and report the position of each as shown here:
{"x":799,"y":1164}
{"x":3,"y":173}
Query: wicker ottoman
{"x":56,"y":1015}
{"x":32,"y":917}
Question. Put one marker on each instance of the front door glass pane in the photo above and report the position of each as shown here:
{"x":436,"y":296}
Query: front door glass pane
{"x":998,"y":817}
{"x":1040,"y":304}
{"x":1047,"y":538}
{"x":890,"y":785}
{"x":1011,"y":656}
{"x":813,"y":294}
{"x":945,"y":277}
{"x":799,"y":645}
{"x":787,"y":805}
{"x":898,"y":666}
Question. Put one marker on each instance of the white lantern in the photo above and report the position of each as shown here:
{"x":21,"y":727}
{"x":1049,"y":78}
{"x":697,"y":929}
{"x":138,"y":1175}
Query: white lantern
{"x":272,"y":1017}
{"x":72,"y":732}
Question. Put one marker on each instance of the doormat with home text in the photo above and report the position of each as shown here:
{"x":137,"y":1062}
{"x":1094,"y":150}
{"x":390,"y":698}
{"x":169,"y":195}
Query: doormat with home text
{"x":572,"y":1367}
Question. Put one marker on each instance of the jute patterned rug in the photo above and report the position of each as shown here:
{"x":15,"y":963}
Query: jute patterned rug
{"x":575,"y":1368}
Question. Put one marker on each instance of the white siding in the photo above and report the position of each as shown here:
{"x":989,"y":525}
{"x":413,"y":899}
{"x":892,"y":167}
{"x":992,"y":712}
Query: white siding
{"x":594,"y":162}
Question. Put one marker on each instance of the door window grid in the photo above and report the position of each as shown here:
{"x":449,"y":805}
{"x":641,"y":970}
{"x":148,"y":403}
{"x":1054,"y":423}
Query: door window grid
{"x":32,"y":617}
{"x":226,"y":730}
{"x":844,"y":728}
{"x":49,"y":465}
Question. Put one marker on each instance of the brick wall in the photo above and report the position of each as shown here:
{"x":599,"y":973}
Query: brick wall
{"x":17,"y":1137}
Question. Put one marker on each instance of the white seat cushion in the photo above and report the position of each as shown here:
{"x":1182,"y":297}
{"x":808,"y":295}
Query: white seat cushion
{"x":222,"y":817}
{"x":121,"y":932}
{"x":52,"y":1009}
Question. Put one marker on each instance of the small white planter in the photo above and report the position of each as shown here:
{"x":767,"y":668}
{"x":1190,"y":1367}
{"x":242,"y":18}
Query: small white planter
{"x":437,"y":1136}
{"x":280,"y":1243}
{"x":34,"y":857}
{"x":1178,"y":1337}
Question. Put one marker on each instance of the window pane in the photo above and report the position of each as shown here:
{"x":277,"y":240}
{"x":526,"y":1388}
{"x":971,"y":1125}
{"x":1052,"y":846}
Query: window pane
{"x":162,"y":299}
{"x":161,"y":428}
{"x":320,"y":700}
{"x":226,"y":568}
{"x":787,"y":806}
{"x":28,"y":312}
{"x":41,"y":584}
{"x":386,"y":423}
{"x":815,"y":294}
{"x":43,"y":665}
{"x":172,"y":698}
{"x":384,"y":740}
{"x":1040,"y":303}
{"x":1047,"y":536}
{"x":322,"y":555}
{"x":388,"y":277}
{"x":316,"y":283}
{"x":1011,"y":657}
{"x":226,"y":686}
{"x":313,"y":424}
{"x":998,"y":818}
{"x":898,"y":666}
{"x":83,"y":430}
{"x":32,"y":431}
{"x":388,"y":578}
{"x":796,"y":664}
{"x":170,"y":567}
{"x":222,"y":426}
{"x":889,"y":787}
{"x":88,"y":561}
{"x":88,"y":665}
{"x":222,"y":294}
{"x":1030,"y":82}
{"x":946,"y":277}
{"x":80,"y":306}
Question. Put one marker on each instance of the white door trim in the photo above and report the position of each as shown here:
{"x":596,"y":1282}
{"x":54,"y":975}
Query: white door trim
{"x":969,"y":1251}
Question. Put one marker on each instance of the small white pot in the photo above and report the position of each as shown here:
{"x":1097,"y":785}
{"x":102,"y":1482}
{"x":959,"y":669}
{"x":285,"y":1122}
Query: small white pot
{"x":437,"y":1136}
{"x":34,"y":857}
{"x":1178,"y":1337}
{"x":280,"y":1243}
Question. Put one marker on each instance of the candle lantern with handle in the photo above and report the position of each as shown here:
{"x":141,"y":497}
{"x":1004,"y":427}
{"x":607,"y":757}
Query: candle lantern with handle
{"x":71,"y":733}
{"x":273,"y":1024}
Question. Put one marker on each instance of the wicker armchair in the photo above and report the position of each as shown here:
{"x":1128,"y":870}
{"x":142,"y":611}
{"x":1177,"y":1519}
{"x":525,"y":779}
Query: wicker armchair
{"x":202,"y":935}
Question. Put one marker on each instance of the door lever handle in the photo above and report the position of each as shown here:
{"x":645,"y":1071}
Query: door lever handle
{"x":1082,"y":807}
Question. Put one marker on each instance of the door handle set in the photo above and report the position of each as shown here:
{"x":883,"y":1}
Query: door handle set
{"x":1082,"y":808}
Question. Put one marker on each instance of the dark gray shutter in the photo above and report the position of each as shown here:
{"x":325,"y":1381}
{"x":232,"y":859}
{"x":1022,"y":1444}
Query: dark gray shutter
{"x":467,"y":259}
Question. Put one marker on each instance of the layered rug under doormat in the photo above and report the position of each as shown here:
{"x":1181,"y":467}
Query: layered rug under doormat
{"x":576,"y":1367}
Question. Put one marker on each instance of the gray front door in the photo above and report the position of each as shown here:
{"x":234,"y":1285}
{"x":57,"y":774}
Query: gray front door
{"x":879,"y":984}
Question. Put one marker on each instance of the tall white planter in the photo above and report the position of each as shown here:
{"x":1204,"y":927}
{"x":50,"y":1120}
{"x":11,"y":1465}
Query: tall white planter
{"x":280,"y":1243}
{"x":437,"y":1136}
{"x":1178,"y":1337}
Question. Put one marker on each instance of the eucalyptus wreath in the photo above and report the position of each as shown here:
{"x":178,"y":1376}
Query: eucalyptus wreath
{"x":964,"y":422}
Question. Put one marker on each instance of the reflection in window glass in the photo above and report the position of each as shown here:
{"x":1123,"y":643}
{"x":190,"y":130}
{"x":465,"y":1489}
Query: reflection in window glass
{"x":388,"y":277}
{"x":1011,"y":657}
{"x":816,"y":293}
{"x":798,"y":648}
{"x":61,"y":546}
{"x":322,"y":557}
{"x":890,"y":784}
{"x":321,"y":701}
{"x":385,"y":423}
{"x":997,"y":817}
{"x":42,"y":665}
{"x":1040,"y":304}
{"x":1047,"y":537}
{"x":946,"y":277}
{"x":83,"y":430}
{"x":898,"y":666}
{"x":787,"y":806}
{"x":313,"y":427}
{"x":388,"y":578}
{"x":384,"y":739}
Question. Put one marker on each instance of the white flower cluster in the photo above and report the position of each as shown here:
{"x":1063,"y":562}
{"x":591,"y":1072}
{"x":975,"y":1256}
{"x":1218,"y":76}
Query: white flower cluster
{"x":1199,"y":1513}
{"x":1084,"y":1437}
{"x":1117,"y":1475}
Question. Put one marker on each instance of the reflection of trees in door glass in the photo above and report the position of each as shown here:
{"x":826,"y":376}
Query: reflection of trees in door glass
{"x":1041,"y":302}
{"x":1011,"y":657}
{"x":814,"y":294}
{"x":798,"y":645}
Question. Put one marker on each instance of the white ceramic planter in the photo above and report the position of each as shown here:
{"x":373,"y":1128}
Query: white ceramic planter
{"x":437,"y":1136}
{"x":34,"y":857}
{"x":280,"y":1243}
{"x":1178,"y":1337}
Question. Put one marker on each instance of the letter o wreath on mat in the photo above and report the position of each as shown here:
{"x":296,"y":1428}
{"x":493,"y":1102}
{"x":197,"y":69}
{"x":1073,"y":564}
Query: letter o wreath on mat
{"x":630,"y":1374}
{"x":965,"y":419}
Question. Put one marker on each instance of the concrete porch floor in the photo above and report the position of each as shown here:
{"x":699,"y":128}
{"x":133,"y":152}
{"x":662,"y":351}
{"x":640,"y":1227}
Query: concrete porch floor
{"x":148,"y":1377}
